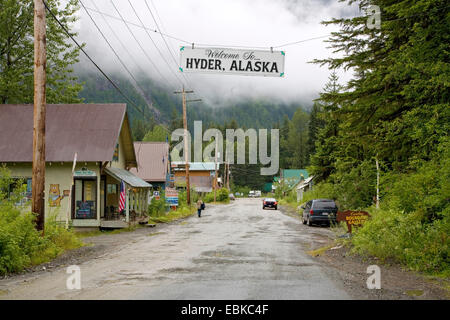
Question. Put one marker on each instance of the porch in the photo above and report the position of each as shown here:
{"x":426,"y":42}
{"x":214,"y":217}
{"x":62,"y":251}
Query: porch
{"x":136,"y":195}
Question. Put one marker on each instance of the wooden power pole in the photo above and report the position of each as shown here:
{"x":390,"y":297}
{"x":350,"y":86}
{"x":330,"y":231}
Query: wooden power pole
{"x":228,"y":175}
{"x":40,"y":61}
{"x":186,"y":151}
{"x":215,"y":172}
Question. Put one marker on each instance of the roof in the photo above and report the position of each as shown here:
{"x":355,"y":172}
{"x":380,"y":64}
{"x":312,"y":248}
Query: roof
{"x":295,"y":173}
{"x":127,"y":177}
{"x":305,"y":183}
{"x":199,"y":183}
{"x":198,"y":166}
{"x":90,"y":130}
{"x":152,"y":159}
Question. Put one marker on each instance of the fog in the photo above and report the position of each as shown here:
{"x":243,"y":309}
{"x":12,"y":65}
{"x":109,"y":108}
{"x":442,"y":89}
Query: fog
{"x":252,"y":24}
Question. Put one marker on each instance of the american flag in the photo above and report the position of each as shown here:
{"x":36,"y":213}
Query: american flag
{"x":122,"y":196}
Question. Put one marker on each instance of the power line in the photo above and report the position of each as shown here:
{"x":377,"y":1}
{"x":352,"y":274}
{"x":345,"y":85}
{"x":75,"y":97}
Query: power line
{"x":114,"y":51}
{"x":139,"y":44}
{"x":300,"y":41}
{"x":90,"y":59}
{"x":164,"y":39}
{"x":115,"y":35}
{"x":168,"y":47}
{"x":148,"y":34}
{"x":257,"y":47}
{"x":136,"y":25}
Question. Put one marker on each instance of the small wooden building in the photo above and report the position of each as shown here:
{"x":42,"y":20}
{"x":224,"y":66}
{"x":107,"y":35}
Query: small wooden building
{"x":100,"y":136}
{"x":201,"y":175}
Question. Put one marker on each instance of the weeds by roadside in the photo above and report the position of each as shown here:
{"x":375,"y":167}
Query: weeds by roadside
{"x":21,"y":245}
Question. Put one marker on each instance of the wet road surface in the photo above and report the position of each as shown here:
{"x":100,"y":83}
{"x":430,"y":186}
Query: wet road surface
{"x":235,"y":251}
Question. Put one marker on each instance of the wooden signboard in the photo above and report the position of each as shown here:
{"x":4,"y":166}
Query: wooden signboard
{"x":352,"y":218}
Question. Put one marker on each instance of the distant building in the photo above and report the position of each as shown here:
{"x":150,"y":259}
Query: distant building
{"x":303,"y":186}
{"x":291,"y":177}
{"x":201,"y":175}
{"x":152,"y":162}
{"x":100,"y":136}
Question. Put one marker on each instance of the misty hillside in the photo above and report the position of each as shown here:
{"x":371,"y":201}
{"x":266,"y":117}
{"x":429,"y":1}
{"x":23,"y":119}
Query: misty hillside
{"x":165,"y":104}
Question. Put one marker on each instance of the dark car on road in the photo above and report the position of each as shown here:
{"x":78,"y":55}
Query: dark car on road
{"x":319,"y":211}
{"x":270,"y":203}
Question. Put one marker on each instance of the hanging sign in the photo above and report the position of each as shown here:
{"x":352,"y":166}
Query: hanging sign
{"x":266,"y":63}
{"x":84,"y":172}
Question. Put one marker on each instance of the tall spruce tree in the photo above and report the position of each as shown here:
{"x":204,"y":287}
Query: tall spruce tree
{"x":17,"y":53}
{"x":396,"y":106}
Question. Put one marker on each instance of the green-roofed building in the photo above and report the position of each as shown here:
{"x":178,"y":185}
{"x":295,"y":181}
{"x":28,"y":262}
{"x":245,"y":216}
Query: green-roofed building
{"x":292,"y":177}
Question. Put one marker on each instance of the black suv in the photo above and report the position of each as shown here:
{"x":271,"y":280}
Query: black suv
{"x":320,"y":211}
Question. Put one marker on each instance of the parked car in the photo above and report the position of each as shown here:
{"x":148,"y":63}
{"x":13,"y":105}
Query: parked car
{"x":270,"y":203}
{"x":251,"y":194}
{"x":231,"y":196}
{"x":257,"y":193}
{"x":319,"y":211}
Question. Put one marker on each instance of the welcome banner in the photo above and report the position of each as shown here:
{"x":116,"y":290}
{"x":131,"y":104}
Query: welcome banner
{"x":266,"y":63}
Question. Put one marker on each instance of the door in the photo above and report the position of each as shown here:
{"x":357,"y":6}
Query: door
{"x":85,"y":198}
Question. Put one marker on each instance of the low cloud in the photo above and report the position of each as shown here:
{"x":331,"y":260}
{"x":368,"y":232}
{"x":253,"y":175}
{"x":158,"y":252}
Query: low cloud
{"x":265,"y":23}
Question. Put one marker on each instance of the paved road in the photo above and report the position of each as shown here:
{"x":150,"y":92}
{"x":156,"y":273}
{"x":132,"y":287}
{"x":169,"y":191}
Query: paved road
{"x":235,"y":251}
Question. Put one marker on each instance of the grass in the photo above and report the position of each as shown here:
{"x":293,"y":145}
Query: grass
{"x":288,"y":202}
{"x":319,"y":251}
{"x":173,"y":215}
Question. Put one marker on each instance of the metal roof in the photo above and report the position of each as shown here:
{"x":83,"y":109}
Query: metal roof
{"x":304,"y":183}
{"x":197,"y":166}
{"x":152,"y":160}
{"x":90,"y":130}
{"x":127,"y":177}
{"x":199,"y":183}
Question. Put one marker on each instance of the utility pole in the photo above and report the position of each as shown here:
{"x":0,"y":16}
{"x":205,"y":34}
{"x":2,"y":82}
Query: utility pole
{"x":40,"y":62}
{"x":215,"y":172}
{"x":377,"y":203}
{"x":186,"y":151}
{"x":228,"y":175}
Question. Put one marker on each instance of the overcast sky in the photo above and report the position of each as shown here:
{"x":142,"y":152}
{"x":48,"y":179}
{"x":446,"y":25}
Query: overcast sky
{"x":250,"y":23}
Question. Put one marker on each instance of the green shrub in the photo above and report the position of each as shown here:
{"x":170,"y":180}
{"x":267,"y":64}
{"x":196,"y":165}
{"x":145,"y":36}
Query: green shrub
{"x":222,"y":195}
{"x":21,"y":245}
{"x":391,"y":234}
{"x":157,"y":207}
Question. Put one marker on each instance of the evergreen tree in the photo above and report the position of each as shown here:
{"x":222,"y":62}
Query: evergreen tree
{"x":17,"y":53}
{"x":396,"y":107}
{"x":315,"y":124}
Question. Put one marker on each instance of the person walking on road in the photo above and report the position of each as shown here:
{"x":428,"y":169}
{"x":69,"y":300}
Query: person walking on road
{"x":199,"y":207}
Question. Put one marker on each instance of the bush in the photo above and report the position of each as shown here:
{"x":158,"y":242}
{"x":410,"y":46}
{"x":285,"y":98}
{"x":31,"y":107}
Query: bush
{"x":222,"y":195}
{"x":157,"y":207}
{"x":21,"y":245}
{"x":391,"y":234}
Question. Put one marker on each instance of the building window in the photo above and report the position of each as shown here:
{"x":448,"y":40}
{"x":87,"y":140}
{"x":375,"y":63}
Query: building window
{"x":85,"y":198}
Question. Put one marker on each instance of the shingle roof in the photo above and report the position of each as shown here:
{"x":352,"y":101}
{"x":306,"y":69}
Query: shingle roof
{"x":91,"y":130}
{"x":152,"y":160}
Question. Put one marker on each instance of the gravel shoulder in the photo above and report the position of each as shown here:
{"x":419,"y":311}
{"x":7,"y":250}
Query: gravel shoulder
{"x":94,"y":248}
{"x":396,"y":282}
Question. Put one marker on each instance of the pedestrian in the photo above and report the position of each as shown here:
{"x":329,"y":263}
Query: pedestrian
{"x":199,"y":207}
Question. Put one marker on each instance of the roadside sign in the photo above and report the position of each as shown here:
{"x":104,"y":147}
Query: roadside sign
{"x":352,"y":218}
{"x":172,"y":196}
{"x":156,"y":195}
{"x":249,"y":62}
